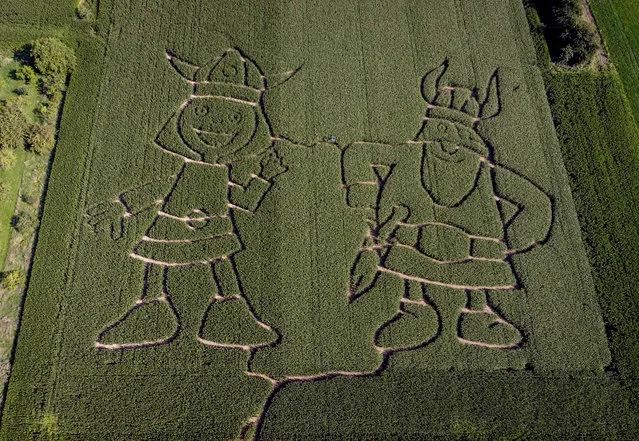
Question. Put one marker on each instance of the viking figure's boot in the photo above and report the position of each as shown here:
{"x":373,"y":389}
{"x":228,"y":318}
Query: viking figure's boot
{"x":479,"y":324}
{"x":230,"y":321}
{"x":151,"y":321}
{"x":416,"y":324}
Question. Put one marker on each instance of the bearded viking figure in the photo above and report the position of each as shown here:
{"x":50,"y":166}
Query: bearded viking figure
{"x":446,"y":219}
{"x":230,"y":159}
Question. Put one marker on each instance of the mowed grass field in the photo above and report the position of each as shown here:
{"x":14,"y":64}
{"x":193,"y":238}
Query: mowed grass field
{"x":366,"y":285}
{"x":618,"y":22}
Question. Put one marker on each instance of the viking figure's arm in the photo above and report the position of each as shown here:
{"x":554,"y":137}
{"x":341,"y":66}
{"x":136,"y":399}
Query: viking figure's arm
{"x":359,"y":162}
{"x":529,"y":222}
{"x":110,"y":215}
{"x":147,"y":196}
{"x":249,"y":188}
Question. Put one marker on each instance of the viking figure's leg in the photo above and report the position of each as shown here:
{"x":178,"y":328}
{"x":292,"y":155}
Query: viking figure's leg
{"x":479,"y":324}
{"x":151,"y":321}
{"x":415,"y":325}
{"x":229,"y":320}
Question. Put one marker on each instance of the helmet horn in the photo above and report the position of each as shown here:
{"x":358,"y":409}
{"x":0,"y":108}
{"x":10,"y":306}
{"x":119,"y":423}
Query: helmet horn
{"x":431,"y":82}
{"x":187,"y":70}
{"x":274,"y":80}
{"x":492,"y":104}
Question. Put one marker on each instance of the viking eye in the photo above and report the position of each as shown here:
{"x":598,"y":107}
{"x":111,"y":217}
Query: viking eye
{"x":229,"y":71}
{"x":235,"y":117}
{"x":201,"y":111}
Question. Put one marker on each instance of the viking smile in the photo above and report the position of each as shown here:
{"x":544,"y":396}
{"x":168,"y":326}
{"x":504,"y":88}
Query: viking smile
{"x":447,"y":152}
{"x":215,"y":139}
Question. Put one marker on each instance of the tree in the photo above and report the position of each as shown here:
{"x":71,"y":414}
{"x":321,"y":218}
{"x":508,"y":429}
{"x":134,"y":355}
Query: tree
{"x":579,"y":41}
{"x":41,"y":138}
{"x":13,"y":126}
{"x":52,"y":58}
{"x":13,"y":279}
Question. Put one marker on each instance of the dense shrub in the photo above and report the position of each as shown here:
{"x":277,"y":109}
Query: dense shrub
{"x":43,"y":112}
{"x":7,"y":158}
{"x":24,"y":223}
{"x":28,"y":199}
{"x":52,"y":87}
{"x":52,"y":58}
{"x":13,"y":126}
{"x":41,"y":138}
{"x":25,"y":73}
{"x":13,"y":279}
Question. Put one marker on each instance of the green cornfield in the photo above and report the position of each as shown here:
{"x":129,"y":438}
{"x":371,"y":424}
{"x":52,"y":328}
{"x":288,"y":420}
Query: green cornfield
{"x":310,"y":220}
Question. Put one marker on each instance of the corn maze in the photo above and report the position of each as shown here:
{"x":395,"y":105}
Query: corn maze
{"x":306,"y":221}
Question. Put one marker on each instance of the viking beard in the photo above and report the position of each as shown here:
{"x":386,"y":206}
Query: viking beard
{"x":449,"y":175}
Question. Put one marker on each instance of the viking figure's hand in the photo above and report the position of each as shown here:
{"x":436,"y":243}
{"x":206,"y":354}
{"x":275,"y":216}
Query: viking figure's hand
{"x":364,"y":272}
{"x":108,"y":217}
{"x":272,"y":166}
{"x":386,"y":231}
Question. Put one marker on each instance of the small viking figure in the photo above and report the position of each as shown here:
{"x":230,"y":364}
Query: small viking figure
{"x":447,"y":220}
{"x":230,"y":161}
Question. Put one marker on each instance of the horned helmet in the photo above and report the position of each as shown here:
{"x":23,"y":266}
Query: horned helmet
{"x":223,"y":120}
{"x":453,"y":151}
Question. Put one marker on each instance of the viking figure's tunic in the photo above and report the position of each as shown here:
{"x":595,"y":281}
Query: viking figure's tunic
{"x":193,"y":224}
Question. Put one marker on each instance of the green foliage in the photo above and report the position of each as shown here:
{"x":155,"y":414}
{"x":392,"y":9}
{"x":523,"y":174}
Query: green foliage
{"x":13,"y":126}
{"x":468,"y":431}
{"x":25,"y":73}
{"x":52,"y":58}
{"x":148,"y":322}
{"x":24,"y":223}
{"x":13,"y":279}
{"x":43,"y":112}
{"x":52,"y":87}
{"x":40,"y":138}
{"x":7,"y":158}
{"x":37,"y":12}
{"x":229,"y":321}
{"x":86,"y":9}
{"x":618,"y":21}
{"x":571,"y":39}
{"x":28,"y":199}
